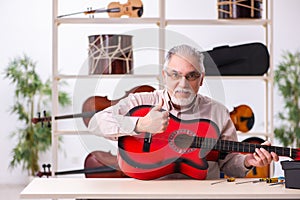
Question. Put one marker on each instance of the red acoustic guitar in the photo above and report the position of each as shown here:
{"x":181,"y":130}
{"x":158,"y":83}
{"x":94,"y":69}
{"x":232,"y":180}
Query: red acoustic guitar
{"x":177,"y":150}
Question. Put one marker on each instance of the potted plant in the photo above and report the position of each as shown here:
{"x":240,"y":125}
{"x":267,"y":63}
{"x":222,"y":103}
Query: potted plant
{"x":30,"y":94}
{"x":287,"y":79}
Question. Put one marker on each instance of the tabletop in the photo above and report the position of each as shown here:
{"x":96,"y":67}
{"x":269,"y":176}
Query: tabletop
{"x":128,"y":188}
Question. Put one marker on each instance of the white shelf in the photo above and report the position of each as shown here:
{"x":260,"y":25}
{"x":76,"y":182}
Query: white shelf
{"x":254,"y":133}
{"x":106,"y":20}
{"x":265,"y":78}
{"x":218,"y":22}
{"x":72,"y":132}
{"x":106,"y":76}
{"x":210,"y":22}
{"x":139,"y":76}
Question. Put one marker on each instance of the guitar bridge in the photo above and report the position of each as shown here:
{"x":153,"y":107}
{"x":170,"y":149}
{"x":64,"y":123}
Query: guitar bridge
{"x":147,"y":142}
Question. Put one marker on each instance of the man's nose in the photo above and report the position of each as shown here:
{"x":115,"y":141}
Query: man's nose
{"x":183,"y":81}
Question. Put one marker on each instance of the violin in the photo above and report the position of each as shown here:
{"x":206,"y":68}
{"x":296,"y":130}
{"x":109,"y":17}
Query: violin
{"x":133,"y":8}
{"x":92,"y":105}
{"x":97,"y":164}
{"x":242,"y":117}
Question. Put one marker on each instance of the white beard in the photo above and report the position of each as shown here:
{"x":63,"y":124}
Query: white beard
{"x":183,"y":101}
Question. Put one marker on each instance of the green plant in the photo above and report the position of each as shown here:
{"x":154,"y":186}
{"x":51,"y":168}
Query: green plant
{"x":287,"y":78}
{"x":30,"y":94}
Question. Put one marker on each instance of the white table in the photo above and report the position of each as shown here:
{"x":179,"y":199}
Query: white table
{"x":127,"y":188}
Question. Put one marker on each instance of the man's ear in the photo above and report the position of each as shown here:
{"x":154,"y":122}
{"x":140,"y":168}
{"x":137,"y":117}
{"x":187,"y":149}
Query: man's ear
{"x":202,"y":78}
{"x":163,"y":76}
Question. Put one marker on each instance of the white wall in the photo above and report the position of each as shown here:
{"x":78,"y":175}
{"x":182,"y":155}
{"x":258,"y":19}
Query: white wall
{"x":26,"y":28}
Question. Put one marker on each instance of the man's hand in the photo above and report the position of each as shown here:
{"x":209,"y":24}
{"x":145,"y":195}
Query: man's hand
{"x":156,"y":121}
{"x":260,"y":157}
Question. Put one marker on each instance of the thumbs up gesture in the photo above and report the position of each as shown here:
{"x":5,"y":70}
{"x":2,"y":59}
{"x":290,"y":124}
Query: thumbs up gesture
{"x":156,"y":121}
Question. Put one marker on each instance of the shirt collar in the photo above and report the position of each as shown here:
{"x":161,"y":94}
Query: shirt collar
{"x":168,"y":103}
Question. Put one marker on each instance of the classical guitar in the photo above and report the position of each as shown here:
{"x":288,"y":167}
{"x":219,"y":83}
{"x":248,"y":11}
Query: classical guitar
{"x":185,"y":147}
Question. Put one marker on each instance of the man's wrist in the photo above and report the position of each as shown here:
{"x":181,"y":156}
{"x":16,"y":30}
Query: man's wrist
{"x":137,"y":127}
{"x":246,"y":164}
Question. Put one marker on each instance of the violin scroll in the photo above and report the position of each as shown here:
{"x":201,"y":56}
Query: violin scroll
{"x":45,"y":172}
{"x":44,"y":119}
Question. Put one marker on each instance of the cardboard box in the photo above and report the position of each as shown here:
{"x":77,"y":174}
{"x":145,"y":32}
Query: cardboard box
{"x":291,"y":173}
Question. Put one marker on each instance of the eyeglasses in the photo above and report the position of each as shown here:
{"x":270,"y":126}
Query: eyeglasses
{"x":192,"y":76}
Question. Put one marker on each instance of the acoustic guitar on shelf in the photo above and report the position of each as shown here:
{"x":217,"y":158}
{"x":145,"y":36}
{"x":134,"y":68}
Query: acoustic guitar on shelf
{"x":177,"y":150}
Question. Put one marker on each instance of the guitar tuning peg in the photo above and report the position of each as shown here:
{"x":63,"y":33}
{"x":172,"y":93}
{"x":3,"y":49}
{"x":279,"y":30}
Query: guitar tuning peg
{"x":90,"y":15}
{"x":45,"y":114}
{"x":39,"y":119}
{"x":42,"y":121}
{"x":49,"y":166}
{"x":49,"y":171}
{"x":44,"y":167}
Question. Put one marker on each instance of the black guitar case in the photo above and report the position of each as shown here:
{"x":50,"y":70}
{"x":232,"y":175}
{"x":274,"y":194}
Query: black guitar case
{"x":250,"y":59}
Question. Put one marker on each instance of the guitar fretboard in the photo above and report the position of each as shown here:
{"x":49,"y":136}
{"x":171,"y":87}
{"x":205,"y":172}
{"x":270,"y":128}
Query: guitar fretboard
{"x":233,"y":146}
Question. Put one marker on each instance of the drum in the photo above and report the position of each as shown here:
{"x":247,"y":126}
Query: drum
{"x":110,"y":54}
{"x":233,"y":9}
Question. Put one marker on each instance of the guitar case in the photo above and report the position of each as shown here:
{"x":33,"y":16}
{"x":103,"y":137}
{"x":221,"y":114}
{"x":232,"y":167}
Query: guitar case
{"x":251,"y":59}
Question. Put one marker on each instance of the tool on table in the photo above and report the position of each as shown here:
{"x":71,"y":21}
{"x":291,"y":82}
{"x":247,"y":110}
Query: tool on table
{"x":231,"y":179}
{"x":267,"y":180}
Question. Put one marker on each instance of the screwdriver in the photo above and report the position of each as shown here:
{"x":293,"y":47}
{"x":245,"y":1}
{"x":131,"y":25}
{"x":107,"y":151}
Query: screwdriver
{"x":231,"y":179}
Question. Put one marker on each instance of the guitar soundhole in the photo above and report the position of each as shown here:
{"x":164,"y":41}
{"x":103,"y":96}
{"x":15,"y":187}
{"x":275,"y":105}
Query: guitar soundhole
{"x":181,"y":141}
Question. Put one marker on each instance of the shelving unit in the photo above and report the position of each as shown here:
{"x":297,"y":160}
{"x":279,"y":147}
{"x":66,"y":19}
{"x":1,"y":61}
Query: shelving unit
{"x":162,"y":23}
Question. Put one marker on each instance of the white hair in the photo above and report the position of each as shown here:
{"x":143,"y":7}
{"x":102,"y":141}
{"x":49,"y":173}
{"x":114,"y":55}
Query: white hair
{"x":186,"y":51}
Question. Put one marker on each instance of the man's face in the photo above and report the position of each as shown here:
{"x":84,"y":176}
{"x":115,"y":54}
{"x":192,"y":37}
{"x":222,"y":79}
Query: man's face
{"x":182,"y":80}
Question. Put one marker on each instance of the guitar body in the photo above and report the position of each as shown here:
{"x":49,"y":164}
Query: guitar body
{"x":165,"y":153}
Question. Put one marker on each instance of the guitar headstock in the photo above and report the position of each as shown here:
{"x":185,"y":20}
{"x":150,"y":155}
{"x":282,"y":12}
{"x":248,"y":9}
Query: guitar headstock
{"x":42,"y":120}
{"x":46,"y":171}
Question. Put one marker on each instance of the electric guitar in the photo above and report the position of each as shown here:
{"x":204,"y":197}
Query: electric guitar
{"x":185,"y":147}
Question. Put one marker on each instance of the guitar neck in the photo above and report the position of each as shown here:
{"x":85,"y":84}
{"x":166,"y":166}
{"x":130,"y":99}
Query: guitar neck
{"x":233,"y":146}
